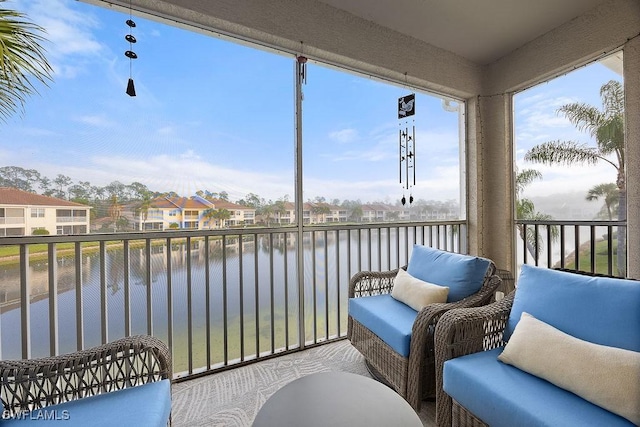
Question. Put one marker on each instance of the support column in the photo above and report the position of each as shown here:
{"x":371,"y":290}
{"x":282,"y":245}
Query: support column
{"x":631,"y":72}
{"x":491,"y":182}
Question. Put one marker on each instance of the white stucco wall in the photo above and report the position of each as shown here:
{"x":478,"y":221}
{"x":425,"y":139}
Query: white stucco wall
{"x":632,"y":133}
{"x":601,"y":30}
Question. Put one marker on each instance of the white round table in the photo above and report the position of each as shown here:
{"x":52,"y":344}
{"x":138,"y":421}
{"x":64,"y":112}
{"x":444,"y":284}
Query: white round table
{"x":336,"y":399}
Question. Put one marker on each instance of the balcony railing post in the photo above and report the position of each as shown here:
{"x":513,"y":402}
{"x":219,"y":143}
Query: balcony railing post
{"x":52,"y":261}
{"x":127,"y":290}
{"x":189,"y":305}
{"x":79,"y":306}
{"x":104,"y":319}
{"x":169,"y":298}
{"x":207,"y":301}
{"x":148,"y":280}
{"x":25,"y":303}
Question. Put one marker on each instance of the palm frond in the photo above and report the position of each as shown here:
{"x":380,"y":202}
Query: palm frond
{"x":610,"y":135}
{"x":583,"y":116}
{"x":562,"y":152}
{"x":612,"y":95}
{"x":525,"y":209}
{"x":22,"y":61}
{"x":601,"y":190}
{"x":526,"y":177}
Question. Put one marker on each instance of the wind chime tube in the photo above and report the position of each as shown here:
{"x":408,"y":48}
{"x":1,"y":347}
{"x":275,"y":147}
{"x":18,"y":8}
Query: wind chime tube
{"x":406,"y":164}
{"x":400,"y":154}
{"x":414,"y":154}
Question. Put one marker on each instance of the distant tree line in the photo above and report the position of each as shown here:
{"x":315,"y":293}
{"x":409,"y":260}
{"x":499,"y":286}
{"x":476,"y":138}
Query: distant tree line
{"x":104,"y":198}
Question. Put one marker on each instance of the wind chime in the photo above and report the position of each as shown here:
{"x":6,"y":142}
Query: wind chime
{"x":131,"y":90}
{"x":301,"y":62}
{"x":407,"y":145}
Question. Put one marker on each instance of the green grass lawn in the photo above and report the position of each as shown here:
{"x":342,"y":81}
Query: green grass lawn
{"x":601,"y":259}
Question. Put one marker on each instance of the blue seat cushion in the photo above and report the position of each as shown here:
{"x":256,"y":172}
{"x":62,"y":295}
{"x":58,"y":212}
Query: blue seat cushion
{"x":600,"y":310}
{"x":144,"y":405}
{"x":462,"y":274}
{"x":502,"y":395}
{"x":388,"y":318}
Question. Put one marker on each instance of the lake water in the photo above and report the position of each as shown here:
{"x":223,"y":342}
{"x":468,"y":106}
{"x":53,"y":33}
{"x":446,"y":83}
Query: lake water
{"x":257,"y":288}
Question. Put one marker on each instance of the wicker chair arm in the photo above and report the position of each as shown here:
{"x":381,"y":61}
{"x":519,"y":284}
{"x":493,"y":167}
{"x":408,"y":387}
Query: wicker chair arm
{"x":367,"y":283}
{"x":30,"y":384}
{"x":431,"y":314}
{"x":469,"y":330}
{"x":465,"y":331}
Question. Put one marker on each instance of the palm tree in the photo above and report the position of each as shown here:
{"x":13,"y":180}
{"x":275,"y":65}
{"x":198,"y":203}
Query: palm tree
{"x":22,"y":59}
{"x":209,"y":215}
{"x":279,"y":208}
{"x":607,"y":127}
{"x":267,"y":212}
{"x":609,"y":192}
{"x":320,"y":211}
{"x":115,"y":212}
{"x":223,"y":215}
{"x":526,"y":210}
{"x":356,"y":213}
{"x":144,"y":206}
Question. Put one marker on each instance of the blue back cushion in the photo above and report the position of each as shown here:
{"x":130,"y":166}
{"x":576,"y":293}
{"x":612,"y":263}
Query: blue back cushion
{"x":463,"y":274}
{"x":600,"y":310}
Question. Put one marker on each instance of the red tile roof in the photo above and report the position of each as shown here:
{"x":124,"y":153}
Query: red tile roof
{"x":178,"y":202}
{"x":225,"y":204}
{"x":13,"y":196}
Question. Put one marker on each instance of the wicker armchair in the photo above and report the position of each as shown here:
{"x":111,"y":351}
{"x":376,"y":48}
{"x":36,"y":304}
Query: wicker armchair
{"x":471,"y":330}
{"x":412,"y":377}
{"x":32,"y":384}
{"x":463,"y":332}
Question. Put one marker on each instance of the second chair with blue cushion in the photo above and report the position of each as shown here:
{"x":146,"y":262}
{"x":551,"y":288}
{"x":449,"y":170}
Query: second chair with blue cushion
{"x":393,"y":314}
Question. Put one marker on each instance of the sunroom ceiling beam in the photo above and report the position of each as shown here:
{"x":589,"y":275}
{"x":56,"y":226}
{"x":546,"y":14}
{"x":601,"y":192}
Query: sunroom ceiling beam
{"x":328,"y":34}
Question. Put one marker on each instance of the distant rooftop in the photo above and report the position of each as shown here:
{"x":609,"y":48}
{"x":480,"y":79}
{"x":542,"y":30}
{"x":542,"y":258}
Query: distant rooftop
{"x":13,"y":196}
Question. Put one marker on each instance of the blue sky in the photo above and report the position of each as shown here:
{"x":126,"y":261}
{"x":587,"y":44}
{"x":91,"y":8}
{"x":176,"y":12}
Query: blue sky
{"x":216,"y":115}
{"x":536,"y":122}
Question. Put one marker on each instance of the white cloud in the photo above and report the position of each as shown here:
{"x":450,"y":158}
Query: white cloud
{"x":344,"y":135}
{"x":382,"y":144}
{"x":184,"y":173}
{"x":70,"y":34}
{"x":537,"y":120}
{"x":561,"y":179}
{"x":96,"y":120}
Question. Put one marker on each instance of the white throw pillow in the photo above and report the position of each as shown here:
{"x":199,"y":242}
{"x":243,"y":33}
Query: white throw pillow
{"x":417,"y":293}
{"x":606,"y":376}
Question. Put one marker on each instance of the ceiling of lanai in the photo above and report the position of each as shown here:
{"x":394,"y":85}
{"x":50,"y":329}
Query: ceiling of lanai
{"x":480,"y":31}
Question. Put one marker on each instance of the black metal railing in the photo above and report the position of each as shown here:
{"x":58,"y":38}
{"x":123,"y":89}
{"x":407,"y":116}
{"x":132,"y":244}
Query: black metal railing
{"x":590,"y":246}
{"x":219,"y":298}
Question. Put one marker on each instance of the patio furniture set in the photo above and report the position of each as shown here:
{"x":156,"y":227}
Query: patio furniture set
{"x":563,"y":349}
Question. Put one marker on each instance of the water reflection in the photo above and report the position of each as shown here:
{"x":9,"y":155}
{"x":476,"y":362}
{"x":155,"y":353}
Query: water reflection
{"x":245,"y":289}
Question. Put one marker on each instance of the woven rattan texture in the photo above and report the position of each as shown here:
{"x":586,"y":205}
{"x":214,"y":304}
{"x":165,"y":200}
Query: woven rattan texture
{"x":413,"y":377}
{"x":463,"y":418}
{"x":465,"y":331}
{"x":30,"y":384}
